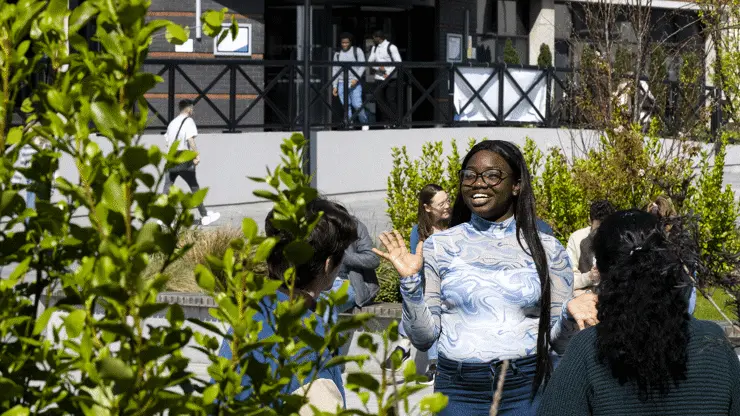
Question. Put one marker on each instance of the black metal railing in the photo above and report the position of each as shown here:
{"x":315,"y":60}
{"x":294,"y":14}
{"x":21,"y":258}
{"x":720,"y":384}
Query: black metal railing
{"x":262,"y":95}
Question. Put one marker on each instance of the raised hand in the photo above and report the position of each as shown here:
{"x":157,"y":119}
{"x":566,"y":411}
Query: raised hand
{"x":398,"y":255}
{"x":583,"y":310}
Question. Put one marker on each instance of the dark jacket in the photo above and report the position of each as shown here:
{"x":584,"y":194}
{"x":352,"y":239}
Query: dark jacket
{"x":359,"y":266}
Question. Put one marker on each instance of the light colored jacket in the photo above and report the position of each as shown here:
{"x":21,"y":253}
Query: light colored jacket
{"x":581,"y":281}
{"x":348,"y":56}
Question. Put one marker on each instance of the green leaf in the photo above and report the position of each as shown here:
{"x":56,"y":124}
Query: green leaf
{"x":175,"y":315}
{"x":210,"y":394}
{"x":107,"y":117}
{"x":74,"y":322}
{"x":249,"y":228}
{"x":298,"y":252}
{"x":434,"y":403}
{"x":151,"y":309}
{"x":234,"y":28}
{"x":135,"y":158}
{"x":81,"y":15}
{"x":17,"y":410}
{"x":43,"y":320}
{"x":264,"y":249}
{"x":15,"y":135}
{"x":112,"y":368}
{"x":363,"y":380}
{"x":205,"y":278}
{"x":176,"y":34}
{"x":113,"y":196}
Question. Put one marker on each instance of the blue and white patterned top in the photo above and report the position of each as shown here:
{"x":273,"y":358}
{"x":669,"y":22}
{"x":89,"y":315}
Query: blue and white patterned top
{"x":481,"y":294}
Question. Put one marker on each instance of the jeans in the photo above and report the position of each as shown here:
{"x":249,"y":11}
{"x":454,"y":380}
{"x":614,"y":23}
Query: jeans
{"x":190,"y":179}
{"x":336,"y":310}
{"x":388,"y":94}
{"x":355,"y":101}
{"x":470,"y":387}
{"x":432,"y":352}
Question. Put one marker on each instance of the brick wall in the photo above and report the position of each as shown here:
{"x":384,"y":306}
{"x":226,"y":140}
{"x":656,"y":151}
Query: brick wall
{"x":207,"y":110}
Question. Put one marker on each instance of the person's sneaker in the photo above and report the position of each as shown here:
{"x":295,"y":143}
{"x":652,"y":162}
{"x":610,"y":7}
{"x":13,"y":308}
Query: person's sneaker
{"x":210,"y":218}
{"x":405,"y":355}
{"x":431,"y":371}
{"x":365,"y":128}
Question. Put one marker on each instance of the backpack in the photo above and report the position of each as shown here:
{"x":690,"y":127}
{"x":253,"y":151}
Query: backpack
{"x":388,"y":50}
{"x":354,"y":51}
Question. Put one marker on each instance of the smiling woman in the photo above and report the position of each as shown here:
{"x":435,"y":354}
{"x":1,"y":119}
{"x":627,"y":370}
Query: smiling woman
{"x":493,"y":289}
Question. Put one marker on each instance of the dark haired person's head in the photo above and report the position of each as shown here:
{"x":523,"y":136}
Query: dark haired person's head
{"x":334,"y":232}
{"x":186,"y":106}
{"x":346,"y":40}
{"x":643,"y":300}
{"x":599,"y":211}
{"x":495,"y":185}
{"x":378,"y":37}
{"x":434,"y":209}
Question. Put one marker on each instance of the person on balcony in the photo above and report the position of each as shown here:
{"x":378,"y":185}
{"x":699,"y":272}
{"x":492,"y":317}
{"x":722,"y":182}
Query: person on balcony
{"x":387,"y":91}
{"x":350,"y":53}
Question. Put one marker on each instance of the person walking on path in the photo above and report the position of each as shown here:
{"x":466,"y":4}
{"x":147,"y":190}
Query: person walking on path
{"x":388,"y":90}
{"x":181,"y":132}
{"x":495,"y":289}
{"x":647,"y":355}
{"x":350,"y":53}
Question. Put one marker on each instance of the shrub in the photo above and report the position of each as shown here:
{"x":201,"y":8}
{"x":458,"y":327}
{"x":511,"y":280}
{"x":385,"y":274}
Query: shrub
{"x":511,"y":56}
{"x":104,"y":358}
{"x":638,"y":169}
{"x":544,"y":59}
{"x":390,"y":283}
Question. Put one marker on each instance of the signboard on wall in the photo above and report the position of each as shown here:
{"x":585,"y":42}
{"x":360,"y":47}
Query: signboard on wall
{"x":241,"y":46}
{"x":454,"y":47}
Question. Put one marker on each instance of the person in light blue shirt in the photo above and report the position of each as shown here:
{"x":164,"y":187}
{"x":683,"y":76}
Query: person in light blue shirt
{"x":334,"y":232}
{"x":490,"y":289}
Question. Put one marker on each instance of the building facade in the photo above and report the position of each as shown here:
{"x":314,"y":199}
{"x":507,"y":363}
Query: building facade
{"x":261,"y":87}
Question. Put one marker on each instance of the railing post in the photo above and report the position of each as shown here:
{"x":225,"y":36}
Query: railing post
{"x":345,"y":97}
{"x":232,"y":98}
{"x":501,"y":80}
{"x":548,"y":97}
{"x":292,"y":80}
{"x":171,"y":92}
{"x":451,"y":96}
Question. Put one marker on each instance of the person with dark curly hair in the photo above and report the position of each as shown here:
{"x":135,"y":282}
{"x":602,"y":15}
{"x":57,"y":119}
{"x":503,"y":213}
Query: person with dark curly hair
{"x":492,"y":289}
{"x":647,"y":355}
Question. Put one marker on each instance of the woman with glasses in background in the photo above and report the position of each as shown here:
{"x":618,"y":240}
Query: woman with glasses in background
{"x":433,"y":216}
{"x":494,"y":289}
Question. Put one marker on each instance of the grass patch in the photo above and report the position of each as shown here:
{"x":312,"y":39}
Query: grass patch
{"x":205,"y":242}
{"x":705,"y":310}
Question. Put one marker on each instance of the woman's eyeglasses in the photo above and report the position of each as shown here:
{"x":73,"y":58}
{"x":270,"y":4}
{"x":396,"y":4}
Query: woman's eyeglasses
{"x":491,"y":177}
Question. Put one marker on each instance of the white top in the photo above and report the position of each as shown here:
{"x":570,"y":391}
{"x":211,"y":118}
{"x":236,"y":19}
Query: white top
{"x":187,"y":131}
{"x":383,"y":53}
{"x":580,"y":280}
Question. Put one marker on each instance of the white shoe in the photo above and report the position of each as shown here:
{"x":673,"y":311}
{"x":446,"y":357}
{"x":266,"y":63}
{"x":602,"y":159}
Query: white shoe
{"x":365,"y":128}
{"x":210,"y":218}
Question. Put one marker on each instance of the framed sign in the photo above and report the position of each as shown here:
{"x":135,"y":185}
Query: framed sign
{"x":241,"y":46}
{"x":454,"y":47}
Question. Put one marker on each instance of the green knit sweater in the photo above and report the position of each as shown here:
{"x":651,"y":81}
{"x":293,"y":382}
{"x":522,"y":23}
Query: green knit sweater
{"x":582,"y":385}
